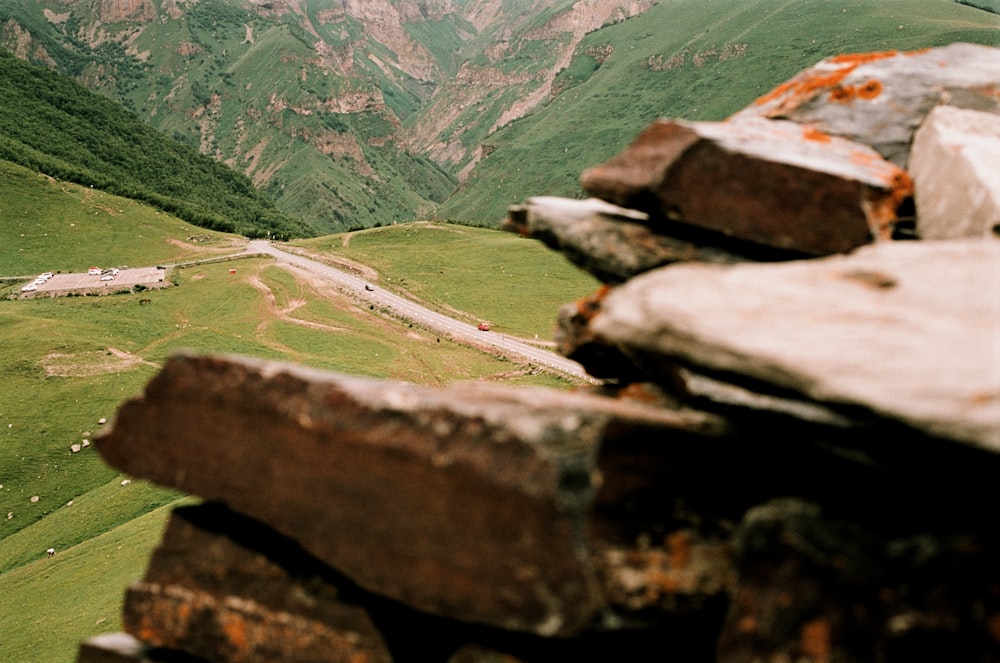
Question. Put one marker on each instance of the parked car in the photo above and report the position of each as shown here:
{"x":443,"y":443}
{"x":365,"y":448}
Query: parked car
{"x":30,"y":287}
{"x":108,"y":277}
{"x":45,"y":276}
{"x":483,"y":326}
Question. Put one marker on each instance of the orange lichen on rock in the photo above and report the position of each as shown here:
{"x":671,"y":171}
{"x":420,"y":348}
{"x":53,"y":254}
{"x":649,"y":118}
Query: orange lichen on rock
{"x":856,"y":59}
{"x":236,"y":631}
{"x":880,"y":207}
{"x":813,"y":81}
{"x":814,"y":134}
{"x":815,"y":639}
{"x":847,"y":93}
{"x":678,"y":546}
{"x":588,"y":306}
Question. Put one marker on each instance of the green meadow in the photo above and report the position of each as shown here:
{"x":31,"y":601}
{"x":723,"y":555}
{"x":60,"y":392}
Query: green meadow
{"x":473,"y":274}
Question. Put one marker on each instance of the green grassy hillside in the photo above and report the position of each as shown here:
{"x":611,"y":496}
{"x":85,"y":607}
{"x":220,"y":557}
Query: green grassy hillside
{"x":689,"y":59}
{"x":52,"y":125}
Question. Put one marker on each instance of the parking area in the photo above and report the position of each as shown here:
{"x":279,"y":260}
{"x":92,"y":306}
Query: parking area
{"x":98,"y":283}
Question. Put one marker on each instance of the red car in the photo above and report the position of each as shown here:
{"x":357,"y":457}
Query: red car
{"x":484,"y":326}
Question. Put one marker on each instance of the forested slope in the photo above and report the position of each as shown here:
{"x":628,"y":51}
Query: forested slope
{"x":50,"y":124}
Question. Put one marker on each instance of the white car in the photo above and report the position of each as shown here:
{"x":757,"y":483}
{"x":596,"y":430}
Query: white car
{"x":108,"y":277}
{"x":45,"y":276}
{"x":30,"y":287}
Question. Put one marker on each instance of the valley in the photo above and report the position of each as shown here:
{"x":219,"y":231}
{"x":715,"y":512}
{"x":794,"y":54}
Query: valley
{"x":384,"y":139}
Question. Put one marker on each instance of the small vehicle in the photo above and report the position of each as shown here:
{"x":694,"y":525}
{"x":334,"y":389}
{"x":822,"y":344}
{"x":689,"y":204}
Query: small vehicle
{"x":30,"y":287}
{"x":369,"y":288}
{"x":108,"y":277}
{"x":483,"y":326}
{"x":45,"y":275}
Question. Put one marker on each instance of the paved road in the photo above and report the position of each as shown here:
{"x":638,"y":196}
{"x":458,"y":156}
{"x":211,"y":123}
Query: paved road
{"x":404,"y":308}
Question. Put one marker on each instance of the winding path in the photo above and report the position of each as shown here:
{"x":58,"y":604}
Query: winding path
{"x":404,"y":308}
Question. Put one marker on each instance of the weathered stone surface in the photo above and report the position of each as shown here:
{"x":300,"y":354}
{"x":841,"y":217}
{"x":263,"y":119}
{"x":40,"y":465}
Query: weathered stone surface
{"x":770,"y":182}
{"x":224,"y":587}
{"x":801,"y":576}
{"x":610,"y":242}
{"x":816,"y":587}
{"x":117,"y":648}
{"x":468,"y":502}
{"x":879,"y":99}
{"x":233,"y":629}
{"x":955,"y":165}
{"x":906,"y":330}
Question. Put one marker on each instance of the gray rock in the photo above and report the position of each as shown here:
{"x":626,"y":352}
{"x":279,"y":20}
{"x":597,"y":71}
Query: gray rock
{"x":879,"y":99}
{"x":610,"y":242}
{"x":955,"y":166}
{"x":907,"y":330}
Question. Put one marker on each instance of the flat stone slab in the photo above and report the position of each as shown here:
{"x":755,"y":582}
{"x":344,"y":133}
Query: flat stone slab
{"x":770,"y":182}
{"x":907,"y":330}
{"x":469,"y":502}
{"x":610,"y":242}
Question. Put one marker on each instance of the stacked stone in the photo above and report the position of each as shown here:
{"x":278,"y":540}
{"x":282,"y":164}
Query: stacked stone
{"x":789,"y":458}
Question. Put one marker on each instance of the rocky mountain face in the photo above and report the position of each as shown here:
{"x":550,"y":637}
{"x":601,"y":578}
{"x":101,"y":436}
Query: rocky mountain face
{"x":349,"y":112}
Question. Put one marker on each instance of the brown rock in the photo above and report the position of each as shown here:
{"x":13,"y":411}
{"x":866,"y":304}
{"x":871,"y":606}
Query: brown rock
{"x":224,"y":587}
{"x":232,"y":629}
{"x":773,"y":183}
{"x":808,"y":588}
{"x":468,"y":502}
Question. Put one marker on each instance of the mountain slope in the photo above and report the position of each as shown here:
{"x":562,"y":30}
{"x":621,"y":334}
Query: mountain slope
{"x":683,"y":60}
{"x":350,"y":113}
{"x":52,"y":125}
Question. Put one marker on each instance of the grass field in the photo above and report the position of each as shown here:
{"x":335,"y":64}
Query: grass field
{"x":473,"y":274}
{"x":69,"y":362}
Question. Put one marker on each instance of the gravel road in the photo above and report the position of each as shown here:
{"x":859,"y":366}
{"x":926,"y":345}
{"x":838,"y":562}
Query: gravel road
{"x":404,"y":308}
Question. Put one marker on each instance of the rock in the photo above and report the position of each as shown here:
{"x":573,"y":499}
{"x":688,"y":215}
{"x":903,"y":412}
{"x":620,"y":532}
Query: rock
{"x":223,"y":587}
{"x":817,"y":587}
{"x":768,"y":182}
{"x":801,"y":576}
{"x":610,"y":242}
{"x":113,"y":648}
{"x":879,"y":99}
{"x":468,"y":502}
{"x":906,"y":330}
{"x":955,"y":164}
